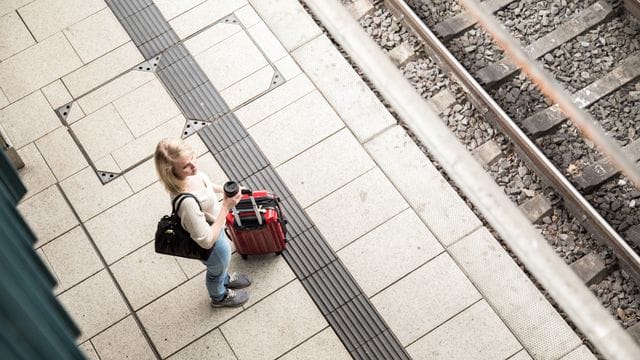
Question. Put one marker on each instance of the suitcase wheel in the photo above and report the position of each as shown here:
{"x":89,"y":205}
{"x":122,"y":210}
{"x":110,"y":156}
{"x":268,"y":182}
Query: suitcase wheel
{"x":244,"y":256}
{"x":279,"y":253}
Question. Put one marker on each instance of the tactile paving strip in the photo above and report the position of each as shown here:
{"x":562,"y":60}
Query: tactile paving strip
{"x":354,"y":319}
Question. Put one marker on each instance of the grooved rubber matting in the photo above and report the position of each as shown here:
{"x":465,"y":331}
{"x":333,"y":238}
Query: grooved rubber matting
{"x":334,"y":291}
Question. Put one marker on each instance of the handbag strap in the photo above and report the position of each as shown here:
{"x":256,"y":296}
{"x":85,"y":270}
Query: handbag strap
{"x":180,"y":198}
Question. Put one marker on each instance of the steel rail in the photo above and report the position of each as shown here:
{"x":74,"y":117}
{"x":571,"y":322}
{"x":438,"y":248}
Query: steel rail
{"x":574,"y":201}
{"x":516,"y":230}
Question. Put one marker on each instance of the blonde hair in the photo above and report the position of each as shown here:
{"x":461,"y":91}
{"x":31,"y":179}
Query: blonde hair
{"x":167,"y":153}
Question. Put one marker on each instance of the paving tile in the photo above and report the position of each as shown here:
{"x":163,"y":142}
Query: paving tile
{"x":283,"y":15}
{"x":20,"y":38}
{"x":3,"y":100}
{"x":186,"y":315}
{"x":57,"y":94}
{"x":373,"y":200}
{"x":157,"y":107}
{"x":89,"y":196}
{"x":47,"y":17}
{"x":102,"y":132}
{"x":521,"y":355}
{"x":429,"y":296}
{"x":352,"y":99}
{"x":28,"y":119}
{"x":295,"y":128}
{"x":268,"y":43}
{"x":11,"y":5}
{"x":288,"y":67}
{"x":88,"y":350}
{"x":581,"y":353}
{"x":208,"y":164}
{"x":203,"y":15}
{"x":115,"y":89}
{"x":141,"y":176}
{"x":144,"y":146}
{"x":197,"y":144}
{"x":102,"y":69}
{"x":323,"y":346}
{"x":249,"y":87}
{"x":35,"y":175}
{"x":123,"y":340}
{"x":250,"y":334}
{"x":325,"y":167}
{"x":268,"y":273}
{"x":57,"y":289}
{"x":72,"y":257}
{"x":172,"y":8}
{"x":390,"y":251}
{"x":102,"y":25}
{"x":247,"y":16}
{"x":211,"y":346}
{"x":75,"y":114}
{"x":535,"y":323}
{"x":61,"y":153}
{"x":438,"y":205}
{"x":476,"y":333}
{"x":210,"y":37}
{"x":94,"y":305}
{"x":191,"y":267}
{"x":129,"y":224}
{"x":231,"y":60}
{"x":144,"y":275}
{"x":108,"y":164}
{"x":47,"y":214}
{"x":274,"y":100}
{"x":37,"y":66}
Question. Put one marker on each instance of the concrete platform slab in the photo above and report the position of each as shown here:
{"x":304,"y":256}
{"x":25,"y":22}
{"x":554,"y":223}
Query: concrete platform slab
{"x":211,"y":346}
{"x":57,"y":289}
{"x":271,"y":46}
{"x":102,"y":132}
{"x":390,"y":251}
{"x":88,"y":350}
{"x":94,"y":304}
{"x":521,"y":355}
{"x":101,"y":25}
{"x":426,"y":298}
{"x":283,"y":15}
{"x":35,"y":174}
{"x":144,"y":275}
{"x":476,"y":333}
{"x":47,"y":214}
{"x":56,"y":94}
{"x":170,"y":8}
{"x":20,"y":38}
{"x":231,"y":60}
{"x":202,"y":15}
{"x":323,"y":346}
{"x":295,"y":128}
{"x":111,"y":344}
{"x":274,"y":100}
{"x":373,"y":200}
{"x":248,"y":16}
{"x":581,"y":353}
{"x":288,"y":67}
{"x":251,"y":333}
{"x":103,"y":69}
{"x":11,"y":5}
{"x":249,"y":87}
{"x":447,"y":216}
{"x":129,"y":224}
{"x":28,"y":119}
{"x":114,"y":90}
{"x":212,"y":36}
{"x":325,"y":167}
{"x":191,"y":316}
{"x":535,"y":323}
{"x":37,"y":66}
{"x":47,"y":17}
{"x":72,"y":257}
{"x":356,"y":104}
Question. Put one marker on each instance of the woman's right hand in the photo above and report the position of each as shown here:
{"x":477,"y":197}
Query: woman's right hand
{"x":231,"y":202}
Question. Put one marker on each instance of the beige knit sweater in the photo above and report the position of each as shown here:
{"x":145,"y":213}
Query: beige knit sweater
{"x":194,"y":220}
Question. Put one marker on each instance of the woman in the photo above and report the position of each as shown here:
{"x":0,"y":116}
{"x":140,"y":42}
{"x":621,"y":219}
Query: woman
{"x":177,"y":168}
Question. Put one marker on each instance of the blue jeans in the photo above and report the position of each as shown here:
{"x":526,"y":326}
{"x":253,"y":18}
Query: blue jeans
{"x":217,"y":268}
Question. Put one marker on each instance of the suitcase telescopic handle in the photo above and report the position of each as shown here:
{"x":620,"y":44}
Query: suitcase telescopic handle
{"x":254,"y":205}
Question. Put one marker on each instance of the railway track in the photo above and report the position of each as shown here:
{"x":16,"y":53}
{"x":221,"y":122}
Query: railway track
{"x":577,"y":198}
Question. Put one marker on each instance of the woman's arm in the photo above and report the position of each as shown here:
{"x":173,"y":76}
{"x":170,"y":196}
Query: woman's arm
{"x":218,"y":224}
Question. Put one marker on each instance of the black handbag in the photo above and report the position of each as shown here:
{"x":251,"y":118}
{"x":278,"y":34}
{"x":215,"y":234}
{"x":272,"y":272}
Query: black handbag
{"x":172,"y":239}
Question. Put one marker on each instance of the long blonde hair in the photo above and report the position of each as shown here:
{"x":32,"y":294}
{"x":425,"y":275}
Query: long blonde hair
{"x":168,"y":151}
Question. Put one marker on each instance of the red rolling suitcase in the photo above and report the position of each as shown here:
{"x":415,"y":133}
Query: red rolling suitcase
{"x":256,"y":225}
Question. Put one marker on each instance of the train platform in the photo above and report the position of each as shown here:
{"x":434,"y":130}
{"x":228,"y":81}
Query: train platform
{"x":385,"y":259}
